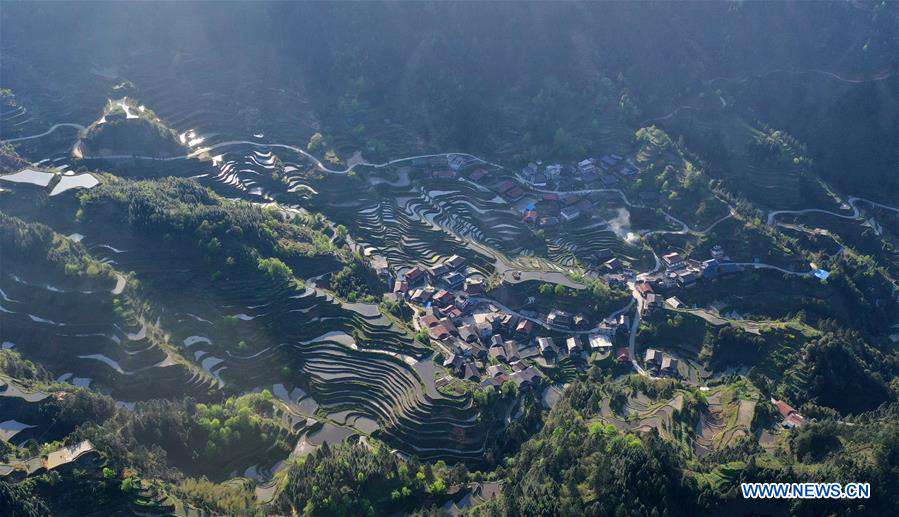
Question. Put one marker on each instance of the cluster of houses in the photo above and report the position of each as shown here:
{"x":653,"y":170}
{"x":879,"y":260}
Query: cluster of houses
{"x":607,"y":170}
{"x":474,"y":337}
{"x":662,"y":363}
{"x":481,"y":342}
{"x":681,"y":272}
{"x":444,"y":166}
{"x":418,"y":283}
{"x":552,"y":209}
{"x":600,"y":342}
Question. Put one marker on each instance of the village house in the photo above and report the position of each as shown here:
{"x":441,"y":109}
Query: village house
{"x":454,"y":262}
{"x":791,"y":417}
{"x":380,"y":266}
{"x":644,"y":289}
{"x":572,"y":345}
{"x":437,"y":270}
{"x":452,"y":362}
{"x":524,"y":327}
{"x":443,"y":297}
{"x":505,"y":186}
{"x":449,"y":325}
{"x":587,"y":165}
{"x":444,"y":174}
{"x":609,"y":161}
{"x":686,"y":278}
{"x":494,"y":371}
{"x":553,"y":171}
{"x":498,"y":353}
{"x":559,"y":318}
{"x":453,"y":280}
{"x":414,"y":275}
{"x":511,"y":350}
{"x":672,"y":258}
{"x":669,"y":366}
{"x":548,"y":221}
{"x":613,"y":265}
{"x":468,"y":333}
{"x":514,"y":194}
{"x":470,"y":372}
{"x":608,"y":181}
{"x":478,"y":174}
{"x":508,"y":321}
{"x":427,"y":321}
{"x":580,"y":321}
{"x":485,"y":330}
{"x":652,"y":357}
{"x":599,"y":342}
{"x":674,"y":302}
{"x":622,"y":355}
{"x":420,"y":295}
{"x":400,"y":286}
{"x":486,"y":318}
{"x":547,"y":347}
{"x":527,"y":378}
{"x":438,"y":332}
{"x":452,"y":312}
{"x":570,"y":214}
{"x":649,"y":197}
{"x":570,"y":200}
{"x":474,"y":285}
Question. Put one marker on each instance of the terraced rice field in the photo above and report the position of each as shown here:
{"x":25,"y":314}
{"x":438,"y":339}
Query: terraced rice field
{"x":726,"y":419}
{"x":642,"y":414}
{"x":76,"y":335}
{"x":577,"y":248}
{"x":353,"y":364}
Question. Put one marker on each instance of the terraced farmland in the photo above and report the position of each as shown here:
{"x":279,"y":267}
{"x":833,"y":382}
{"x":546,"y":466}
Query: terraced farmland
{"x":727,"y":417}
{"x":349,"y":359}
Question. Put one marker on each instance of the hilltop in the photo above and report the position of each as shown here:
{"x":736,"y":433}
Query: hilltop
{"x":129,"y":129}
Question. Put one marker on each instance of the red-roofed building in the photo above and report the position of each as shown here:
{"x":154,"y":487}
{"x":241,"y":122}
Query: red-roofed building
{"x":452,"y":312}
{"x":438,"y":332}
{"x":478,"y":174}
{"x":515,"y":193}
{"x":429,"y":321}
{"x":622,"y":355}
{"x":414,"y":275}
{"x":791,"y":417}
{"x":443,"y":297}
{"x":644,"y":288}
{"x":445,"y":174}
{"x":505,"y":186}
